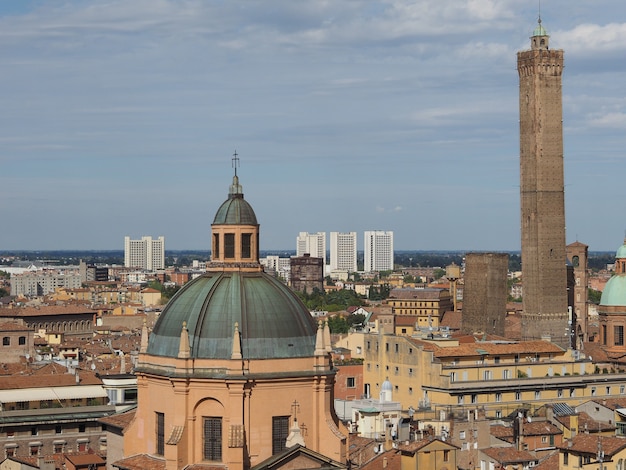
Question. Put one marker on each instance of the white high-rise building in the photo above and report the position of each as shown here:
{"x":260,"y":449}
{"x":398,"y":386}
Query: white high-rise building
{"x":343,"y":251}
{"x":378,"y":250}
{"x":147,"y":253}
{"x":312,"y":243}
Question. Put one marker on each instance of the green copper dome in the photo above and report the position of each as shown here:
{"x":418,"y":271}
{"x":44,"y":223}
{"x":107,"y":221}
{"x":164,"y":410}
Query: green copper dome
{"x":614,"y":293}
{"x":540,"y":31}
{"x":621,"y":251}
{"x":273,"y":322}
{"x":235,"y":210}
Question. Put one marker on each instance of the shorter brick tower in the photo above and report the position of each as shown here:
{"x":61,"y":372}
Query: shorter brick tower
{"x":485,"y":293}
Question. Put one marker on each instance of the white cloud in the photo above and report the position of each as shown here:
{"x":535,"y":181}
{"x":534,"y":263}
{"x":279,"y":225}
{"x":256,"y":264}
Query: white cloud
{"x":590,"y":38}
{"x":614,"y":120}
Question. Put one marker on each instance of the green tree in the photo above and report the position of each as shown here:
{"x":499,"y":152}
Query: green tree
{"x":439,"y":273}
{"x":594,"y":296}
{"x":4,"y":292}
{"x":168,"y":292}
{"x":338,"y":324}
{"x":379,"y":292}
{"x":355,"y":319}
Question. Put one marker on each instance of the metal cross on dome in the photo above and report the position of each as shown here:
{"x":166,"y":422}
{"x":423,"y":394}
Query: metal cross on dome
{"x":235,"y":161}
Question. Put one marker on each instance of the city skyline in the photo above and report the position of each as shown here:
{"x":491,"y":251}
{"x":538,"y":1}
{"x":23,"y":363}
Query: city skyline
{"x":399,"y":116}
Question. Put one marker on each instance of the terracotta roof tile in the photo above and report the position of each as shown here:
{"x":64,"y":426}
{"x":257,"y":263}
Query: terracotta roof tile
{"x":119,"y":420}
{"x":46,"y":310}
{"x":84,"y":459}
{"x":509,"y":455}
{"x":140,"y":462}
{"x":522,"y":347}
{"x":13,"y":326}
{"x":588,"y":444}
{"x":551,"y":462}
{"x":49,"y":375}
{"x":389,"y":460}
{"x":612,"y":403}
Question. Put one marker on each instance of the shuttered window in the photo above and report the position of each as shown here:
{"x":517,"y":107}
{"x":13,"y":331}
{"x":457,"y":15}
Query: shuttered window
{"x":160,"y":433}
{"x":212,"y":439}
{"x":280,"y":431}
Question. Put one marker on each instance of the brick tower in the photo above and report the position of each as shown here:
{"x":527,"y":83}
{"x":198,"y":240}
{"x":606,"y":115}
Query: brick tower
{"x":485,"y":293}
{"x":544,"y":270}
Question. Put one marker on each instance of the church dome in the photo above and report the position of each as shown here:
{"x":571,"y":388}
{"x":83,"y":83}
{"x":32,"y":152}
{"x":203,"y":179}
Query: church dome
{"x":614,"y":293}
{"x":273,"y":322}
{"x":235,"y":210}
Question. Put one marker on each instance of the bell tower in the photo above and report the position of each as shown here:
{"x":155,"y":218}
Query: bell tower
{"x":544,"y":271}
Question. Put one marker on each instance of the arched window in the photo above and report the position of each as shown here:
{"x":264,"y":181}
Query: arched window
{"x":21,"y":340}
{"x":575,"y":261}
{"x":6,"y":341}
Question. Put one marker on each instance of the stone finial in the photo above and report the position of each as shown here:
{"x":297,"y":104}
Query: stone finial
{"x":327,"y":346}
{"x":320,"y":349}
{"x":236,"y":354}
{"x":123,"y":364}
{"x":295,"y":435}
{"x":184,"y":351}
{"x":144,"y":338}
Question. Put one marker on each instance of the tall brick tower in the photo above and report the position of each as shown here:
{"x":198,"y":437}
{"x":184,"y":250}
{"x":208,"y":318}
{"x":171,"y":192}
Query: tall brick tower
{"x":544,"y":271}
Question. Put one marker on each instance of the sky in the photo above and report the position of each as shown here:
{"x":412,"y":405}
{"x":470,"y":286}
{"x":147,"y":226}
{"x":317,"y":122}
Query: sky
{"x":121,"y":118}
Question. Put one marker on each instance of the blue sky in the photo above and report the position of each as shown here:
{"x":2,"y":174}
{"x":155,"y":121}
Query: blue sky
{"x":120,"y":118}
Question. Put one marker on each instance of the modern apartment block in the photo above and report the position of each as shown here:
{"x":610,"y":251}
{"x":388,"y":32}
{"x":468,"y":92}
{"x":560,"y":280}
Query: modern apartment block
{"x":147,"y":253}
{"x":33,"y":284}
{"x":343,"y":251}
{"x":378,"y":249}
{"x":544,"y":271}
{"x":313,"y":244}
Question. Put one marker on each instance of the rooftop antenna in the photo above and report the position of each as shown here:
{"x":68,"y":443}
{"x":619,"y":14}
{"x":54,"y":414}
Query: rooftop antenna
{"x":235,"y":161}
{"x":539,"y":20}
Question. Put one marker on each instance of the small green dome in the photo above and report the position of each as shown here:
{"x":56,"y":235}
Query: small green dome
{"x":235,"y":210}
{"x":273,"y":322}
{"x":540,"y":31}
{"x":614,"y":293}
{"x":621,"y":251}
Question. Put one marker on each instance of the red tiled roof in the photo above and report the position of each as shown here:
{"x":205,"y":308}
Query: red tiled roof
{"x":119,"y":420}
{"x":390,"y":460}
{"x":140,"y":462}
{"x":588,"y":444}
{"x":509,"y":455}
{"x":50,"y":375}
{"x":523,"y":347}
{"x":551,"y":462}
{"x":586,"y":423}
{"x":415,"y":294}
{"x":84,"y":459}
{"x":46,"y":310}
{"x":612,"y":403}
{"x":451,"y":319}
{"x":13,"y":326}
{"x":405,"y":320}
